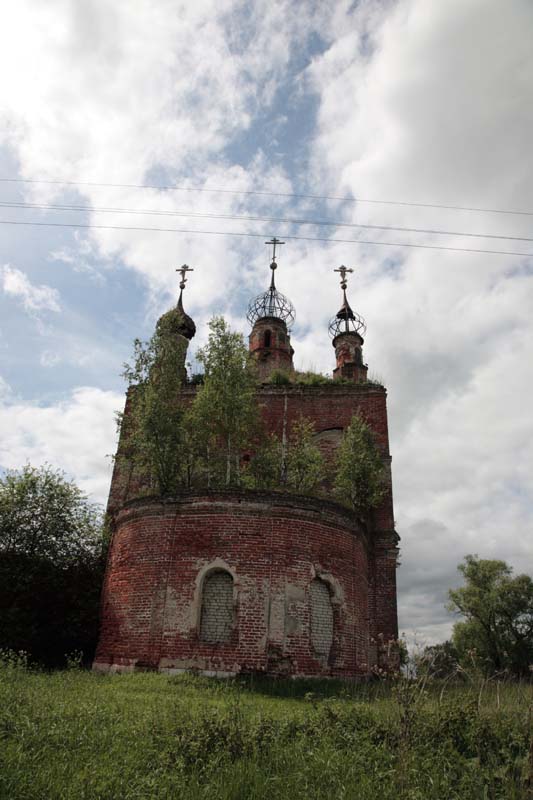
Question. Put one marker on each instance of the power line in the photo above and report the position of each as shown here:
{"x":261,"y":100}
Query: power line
{"x":343,"y":199}
{"x":258,"y":218}
{"x":261,"y":235}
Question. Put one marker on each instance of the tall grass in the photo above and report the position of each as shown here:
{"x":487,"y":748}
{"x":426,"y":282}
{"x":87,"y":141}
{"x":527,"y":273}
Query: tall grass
{"x":79,"y":735}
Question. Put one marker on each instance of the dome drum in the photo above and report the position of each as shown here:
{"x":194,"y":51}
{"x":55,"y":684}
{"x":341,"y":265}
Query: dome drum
{"x":270,"y":346}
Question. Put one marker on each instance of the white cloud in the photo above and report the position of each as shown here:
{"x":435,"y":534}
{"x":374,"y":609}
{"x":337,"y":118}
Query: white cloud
{"x":430,"y":102}
{"x":34,"y":298}
{"x":49,"y":359}
{"x":79,"y":258}
{"x":90,"y":97}
{"x":76,"y":435}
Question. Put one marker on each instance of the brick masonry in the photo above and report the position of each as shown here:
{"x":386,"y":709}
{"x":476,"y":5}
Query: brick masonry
{"x":270,"y":346}
{"x":313,"y":589}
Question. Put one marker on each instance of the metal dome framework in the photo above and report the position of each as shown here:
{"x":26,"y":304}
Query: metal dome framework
{"x":271,"y":304}
{"x":346,"y":320}
{"x":347,"y":323}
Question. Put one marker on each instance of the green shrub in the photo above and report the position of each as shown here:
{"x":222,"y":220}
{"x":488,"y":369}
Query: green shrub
{"x":310,"y":378}
{"x":360,"y":476}
{"x":279,"y":377}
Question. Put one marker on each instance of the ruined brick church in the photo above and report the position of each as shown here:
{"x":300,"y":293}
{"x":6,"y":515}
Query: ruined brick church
{"x":242,"y":581}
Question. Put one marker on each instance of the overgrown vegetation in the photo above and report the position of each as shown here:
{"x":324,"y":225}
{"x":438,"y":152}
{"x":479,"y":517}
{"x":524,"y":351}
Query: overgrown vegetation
{"x":280,"y":377}
{"x":360,"y":475}
{"x":305,"y":463}
{"x":52,"y":555}
{"x":183,"y":445}
{"x":155,"y":426}
{"x":217,"y":440}
{"x":77,"y":736}
{"x":225,"y":408}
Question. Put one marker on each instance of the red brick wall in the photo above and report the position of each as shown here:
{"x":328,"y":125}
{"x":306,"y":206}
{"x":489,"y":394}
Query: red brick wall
{"x":332,"y":406}
{"x":349,"y":357}
{"x":329,"y":406}
{"x":277,"y":354}
{"x":274,"y":546}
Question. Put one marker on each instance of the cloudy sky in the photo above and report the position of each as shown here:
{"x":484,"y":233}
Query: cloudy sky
{"x":250,"y":107}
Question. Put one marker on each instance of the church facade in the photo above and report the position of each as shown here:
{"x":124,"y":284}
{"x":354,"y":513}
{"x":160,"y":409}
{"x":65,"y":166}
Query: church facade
{"x":240,"y":581}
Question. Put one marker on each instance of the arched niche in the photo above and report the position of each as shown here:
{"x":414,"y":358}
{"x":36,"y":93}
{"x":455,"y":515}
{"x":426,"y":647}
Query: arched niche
{"x":321,"y":618}
{"x":217,"y":607}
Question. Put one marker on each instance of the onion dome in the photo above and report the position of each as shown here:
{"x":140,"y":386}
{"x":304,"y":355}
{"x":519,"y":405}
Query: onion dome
{"x":271,"y":304}
{"x":177,"y":321}
{"x":346,"y":320}
{"x":188,"y":328}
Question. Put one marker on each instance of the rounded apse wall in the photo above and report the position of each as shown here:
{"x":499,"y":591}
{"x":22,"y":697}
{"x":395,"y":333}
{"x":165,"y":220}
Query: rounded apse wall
{"x":236,"y":582}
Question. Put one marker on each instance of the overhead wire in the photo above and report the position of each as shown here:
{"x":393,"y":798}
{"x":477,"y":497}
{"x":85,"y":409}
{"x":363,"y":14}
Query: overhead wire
{"x":264,"y":193}
{"x":257,"y":218}
{"x":261,"y":235}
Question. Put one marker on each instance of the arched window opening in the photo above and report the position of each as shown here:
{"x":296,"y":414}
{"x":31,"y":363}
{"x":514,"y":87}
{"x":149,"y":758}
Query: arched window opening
{"x":216,"y":619}
{"x":321,"y":618}
{"x":268,"y":338}
{"x":328,"y":441}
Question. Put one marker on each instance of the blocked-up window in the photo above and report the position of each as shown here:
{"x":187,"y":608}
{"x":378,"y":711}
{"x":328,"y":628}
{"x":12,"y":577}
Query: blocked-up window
{"x":328,"y":442}
{"x":321,"y":617}
{"x":217,"y":607}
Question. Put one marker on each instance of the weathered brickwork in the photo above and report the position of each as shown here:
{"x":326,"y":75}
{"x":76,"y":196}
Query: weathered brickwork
{"x":330,"y":407}
{"x":274,"y":547}
{"x":349,"y":356}
{"x":270,"y":345}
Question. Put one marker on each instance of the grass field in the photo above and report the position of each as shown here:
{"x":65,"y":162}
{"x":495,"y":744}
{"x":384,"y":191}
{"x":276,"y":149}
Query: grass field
{"x":79,"y":735}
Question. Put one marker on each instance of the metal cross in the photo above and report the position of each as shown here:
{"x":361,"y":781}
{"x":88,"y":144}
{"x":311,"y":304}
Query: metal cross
{"x":343,"y":270}
{"x":183,"y":271}
{"x":274,"y":242}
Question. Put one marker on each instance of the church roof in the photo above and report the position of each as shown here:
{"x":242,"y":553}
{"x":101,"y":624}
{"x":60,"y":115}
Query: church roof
{"x":177,"y":321}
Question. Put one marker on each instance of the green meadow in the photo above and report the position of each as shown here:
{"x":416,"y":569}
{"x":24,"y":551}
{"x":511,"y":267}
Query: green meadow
{"x":79,"y":735}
